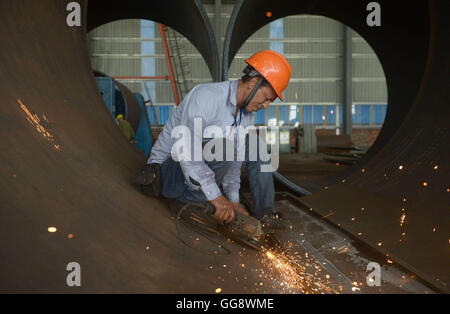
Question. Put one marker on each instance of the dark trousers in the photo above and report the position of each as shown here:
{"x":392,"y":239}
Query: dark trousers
{"x":261,"y":183}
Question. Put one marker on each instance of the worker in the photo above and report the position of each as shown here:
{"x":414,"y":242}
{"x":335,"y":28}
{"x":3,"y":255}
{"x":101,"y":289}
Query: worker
{"x":126,"y":128}
{"x":223,"y":104}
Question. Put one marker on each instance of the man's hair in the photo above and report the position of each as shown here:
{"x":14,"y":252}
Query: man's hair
{"x":249,"y":73}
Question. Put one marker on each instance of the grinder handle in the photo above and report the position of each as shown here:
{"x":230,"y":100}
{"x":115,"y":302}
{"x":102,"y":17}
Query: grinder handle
{"x":210,"y":209}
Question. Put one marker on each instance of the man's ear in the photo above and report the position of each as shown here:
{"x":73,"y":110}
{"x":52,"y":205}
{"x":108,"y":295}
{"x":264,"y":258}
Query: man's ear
{"x":252,"y":82}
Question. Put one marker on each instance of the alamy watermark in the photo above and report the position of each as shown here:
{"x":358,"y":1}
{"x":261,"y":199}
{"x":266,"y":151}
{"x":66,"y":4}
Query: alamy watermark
{"x":74,"y":17}
{"x":374,"y":277}
{"x":229,"y":144}
{"x":374,"y":17}
{"x":73,"y":279}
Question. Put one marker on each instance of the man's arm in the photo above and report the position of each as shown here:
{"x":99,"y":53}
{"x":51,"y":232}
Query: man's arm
{"x":232,"y":181}
{"x":200,"y":108}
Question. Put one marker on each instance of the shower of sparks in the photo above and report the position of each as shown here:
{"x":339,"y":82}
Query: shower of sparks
{"x":36,"y":122}
{"x":402,"y":219}
{"x":294,"y":273}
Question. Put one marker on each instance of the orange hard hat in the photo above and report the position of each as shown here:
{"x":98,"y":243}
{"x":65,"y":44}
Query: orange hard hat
{"x":273,"y":67}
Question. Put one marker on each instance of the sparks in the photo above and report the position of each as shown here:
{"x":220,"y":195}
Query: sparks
{"x":293,"y":275}
{"x":402,"y":219}
{"x":34,"y":120}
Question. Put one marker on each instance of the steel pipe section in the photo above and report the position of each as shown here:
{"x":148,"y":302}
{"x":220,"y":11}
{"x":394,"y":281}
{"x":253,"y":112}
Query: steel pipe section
{"x":189,"y":18}
{"x":401,"y":43}
{"x":66,"y":188}
{"x":396,"y":198}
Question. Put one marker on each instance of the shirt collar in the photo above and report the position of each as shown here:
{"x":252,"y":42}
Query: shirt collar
{"x":233,"y":92}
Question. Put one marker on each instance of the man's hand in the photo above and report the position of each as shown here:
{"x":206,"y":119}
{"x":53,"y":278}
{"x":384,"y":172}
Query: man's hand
{"x":224,"y":209}
{"x":149,"y":178}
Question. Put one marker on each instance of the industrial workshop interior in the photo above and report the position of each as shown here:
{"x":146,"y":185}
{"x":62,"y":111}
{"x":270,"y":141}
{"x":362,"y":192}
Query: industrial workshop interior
{"x":338,"y":183}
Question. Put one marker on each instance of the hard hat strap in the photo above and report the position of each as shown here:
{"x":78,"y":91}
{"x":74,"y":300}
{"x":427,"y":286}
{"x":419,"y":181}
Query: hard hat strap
{"x":253,"y":92}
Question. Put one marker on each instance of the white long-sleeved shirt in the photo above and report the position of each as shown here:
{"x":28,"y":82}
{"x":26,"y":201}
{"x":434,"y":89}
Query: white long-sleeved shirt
{"x":214,"y":104}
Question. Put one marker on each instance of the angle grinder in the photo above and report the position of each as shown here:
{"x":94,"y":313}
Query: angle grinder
{"x":242,"y":225}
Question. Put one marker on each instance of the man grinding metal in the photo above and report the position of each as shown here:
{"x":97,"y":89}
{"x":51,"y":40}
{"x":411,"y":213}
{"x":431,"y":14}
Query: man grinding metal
{"x":223,"y":104}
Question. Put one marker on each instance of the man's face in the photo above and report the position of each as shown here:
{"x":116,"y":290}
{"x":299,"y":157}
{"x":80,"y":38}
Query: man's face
{"x":263,"y":97}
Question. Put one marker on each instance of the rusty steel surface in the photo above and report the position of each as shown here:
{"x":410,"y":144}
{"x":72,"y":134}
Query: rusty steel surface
{"x":65,"y":164}
{"x":395,"y":198}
